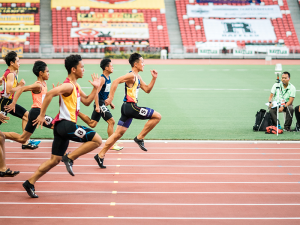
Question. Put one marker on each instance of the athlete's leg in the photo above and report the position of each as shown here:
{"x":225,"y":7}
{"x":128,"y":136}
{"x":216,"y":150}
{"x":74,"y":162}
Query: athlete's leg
{"x":151,"y":123}
{"x":2,"y":152}
{"x":91,"y":123}
{"x":25,"y":120}
{"x":86,"y":147}
{"x":112,"y":140}
{"x":110,"y":127}
{"x":17,"y":137}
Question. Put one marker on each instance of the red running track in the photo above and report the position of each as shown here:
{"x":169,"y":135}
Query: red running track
{"x":172,"y":183}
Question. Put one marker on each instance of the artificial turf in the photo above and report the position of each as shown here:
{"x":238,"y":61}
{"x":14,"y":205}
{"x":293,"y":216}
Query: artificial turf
{"x":200,"y":102}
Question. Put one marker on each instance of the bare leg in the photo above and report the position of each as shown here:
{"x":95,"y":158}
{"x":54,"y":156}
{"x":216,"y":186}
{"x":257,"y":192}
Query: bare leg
{"x":91,"y":123}
{"x":44,"y":168}
{"x":2,"y":152}
{"x":86,"y":147}
{"x":110,"y":127}
{"x":25,"y":120}
{"x":17,"y":137}
{"x":156,"y":117}
{"x":112,"y":140}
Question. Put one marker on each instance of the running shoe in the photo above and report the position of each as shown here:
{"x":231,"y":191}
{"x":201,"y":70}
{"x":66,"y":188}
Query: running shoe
{"x":30,"y":145}
{"x":140,"y":143}
{"x":30,"y":189}
{"x":116,"y":147}
{"x":99,"y":161}
{"x":69,"y":164}
{"x":35,"y":142}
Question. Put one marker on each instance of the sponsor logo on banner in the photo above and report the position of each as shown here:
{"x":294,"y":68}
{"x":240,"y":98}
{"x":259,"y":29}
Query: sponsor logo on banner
{"x":19,"y":10}
{"x":113,"y":32}
{"x":110,"y":17}
{"x":239,"y":29}
{"x":282,"y":51}
{"x":111,"y":43}
{"x":215,"y":51}
{"x":227,"y":11}
{"x":16,"y":28}
{"x":231,"y":1}
{"x":18,"y":50}
{"x":16,"y":19}
{"x":243,"y":52}
{"x":113,"y":25}
{"x":113,"y":1}
{"x":12,"y":38}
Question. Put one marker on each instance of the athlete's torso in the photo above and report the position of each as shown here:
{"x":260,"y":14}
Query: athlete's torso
{"x":39,"y":98}
{"x":15,"y":83}
{"x":104,"y":92}
{"x":131,"y":93}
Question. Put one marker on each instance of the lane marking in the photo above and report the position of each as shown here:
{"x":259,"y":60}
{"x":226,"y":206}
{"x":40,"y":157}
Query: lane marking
{"x":114,"y":192}
{"x":112,"y":204}
{"x":115,"y":182}
{"x":111,"y":173}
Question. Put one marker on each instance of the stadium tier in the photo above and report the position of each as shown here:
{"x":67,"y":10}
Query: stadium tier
{"x":193,"y":29}
{"x":19,"y":25}
{"x":96,"y":25}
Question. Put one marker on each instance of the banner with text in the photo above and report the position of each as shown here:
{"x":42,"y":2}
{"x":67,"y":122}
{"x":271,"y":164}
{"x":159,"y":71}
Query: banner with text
{"x":110,"y":17}
{"x":239,"y":30}
{"x":22,"y":29}
{"x":228,"y":1}
{"x":12,"y":38}
{"x":243,"y":52}
{"x":113,"y":25}
{"x":111,"y":43}
{"x":18,"y":50}
{"x":226,"y":11}
{"x":211,"y":51}
{"x":19,"y":10}
{"x":278,"y":51}
{"x":17,"y":19}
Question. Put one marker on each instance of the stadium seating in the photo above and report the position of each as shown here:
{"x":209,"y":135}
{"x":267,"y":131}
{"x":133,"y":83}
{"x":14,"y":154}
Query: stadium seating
{"x":191,"y":33}
{"x":62,"y":28}
{"x":33,"y":39}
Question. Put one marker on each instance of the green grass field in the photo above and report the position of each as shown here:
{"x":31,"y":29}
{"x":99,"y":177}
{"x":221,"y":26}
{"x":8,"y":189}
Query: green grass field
{"x":211,"y":102}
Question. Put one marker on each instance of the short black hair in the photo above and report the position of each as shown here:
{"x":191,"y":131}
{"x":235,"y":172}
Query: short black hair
{"x":39,"y":66}
{"x":72,"y":61}
{"x":287,"y":74}
{"x":104,"y":63}
{"x":135,"y":57}
{"x":10,"y":57}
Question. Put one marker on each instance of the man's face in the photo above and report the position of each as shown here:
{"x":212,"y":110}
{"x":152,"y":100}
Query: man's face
{"x":110,"y":68}
{"x":140,"y":64}
{"x":285,"y":79}
{"x":79,"y":70}
{"x":45,"y":74}
{"x":16,"y":64}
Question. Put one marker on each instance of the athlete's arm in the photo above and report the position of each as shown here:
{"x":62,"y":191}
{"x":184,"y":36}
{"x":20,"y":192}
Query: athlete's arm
{"x":147,"y":88}
{"x":64,"y":89}
{"x":87,"y":100}
{"x":129,"y":77}
{"x":102,"y":81}
{"x":32,"y":87}
{"x":3,"y":118}
{"x":10,"y":82}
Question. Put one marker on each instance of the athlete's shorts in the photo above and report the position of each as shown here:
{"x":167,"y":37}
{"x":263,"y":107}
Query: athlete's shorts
{"x":33,"y":114}
{"x":19,"y":110}
{"x":131,"y":111}
{"x":64,"y":131}
{"x":104,"y":113}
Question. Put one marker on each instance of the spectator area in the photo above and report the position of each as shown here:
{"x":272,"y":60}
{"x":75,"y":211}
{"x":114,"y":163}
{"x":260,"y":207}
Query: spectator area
{"x":33,"y":38}
{"x":191,"y":33}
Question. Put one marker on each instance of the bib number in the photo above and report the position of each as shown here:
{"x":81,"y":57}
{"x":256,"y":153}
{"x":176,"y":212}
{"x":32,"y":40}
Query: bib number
{"x":48,"y":120}
{"x":80,"y":132}
{"x":104,"y":108}
{"x":3,"y":113}
{"x":143,"y":112}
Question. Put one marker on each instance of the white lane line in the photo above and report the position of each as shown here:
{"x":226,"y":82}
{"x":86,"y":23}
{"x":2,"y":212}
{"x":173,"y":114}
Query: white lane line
{"x":147,"y":204}
{"x":127,"y":159}
{"x":152,"y":218}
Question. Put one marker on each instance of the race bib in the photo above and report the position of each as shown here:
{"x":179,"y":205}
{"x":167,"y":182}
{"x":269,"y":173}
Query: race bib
{"x":107,"y":88}
{"x":143,"y":111}
{"x":80,"y":132}
{"x":3,"y":113}
{"x":48,"y":120}
{"x":104,"y":108}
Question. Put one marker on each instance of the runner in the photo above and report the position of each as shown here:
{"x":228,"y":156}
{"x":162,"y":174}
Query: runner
{"x":10,"y":86}
{"x":38,"y":90}
{"x":100,"y":110}
{"x":133,"y":81}
{"x":65,"y":127}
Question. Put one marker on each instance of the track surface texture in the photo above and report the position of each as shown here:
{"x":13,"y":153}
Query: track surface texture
{"x":173,"y":183}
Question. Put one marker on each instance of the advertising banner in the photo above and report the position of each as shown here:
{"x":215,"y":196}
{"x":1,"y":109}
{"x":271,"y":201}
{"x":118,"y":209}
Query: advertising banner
{"x":113,"y":25}
{"x":16,"y":19}
{"x":12,"y":38}
{"x":16,"y":28}
{"x":19,"y":10}
{"x":278,"y":51}
{"x":110,"y":43}
{"x":212,"y":51}
{"x":227,"y":11}
{"x":18,"y":50}
{"x":228,"y":1}
{"x":110,"y":17}
{"x":111,"y":32}
{"x":243,"y":52}
{"x":239,"y":30}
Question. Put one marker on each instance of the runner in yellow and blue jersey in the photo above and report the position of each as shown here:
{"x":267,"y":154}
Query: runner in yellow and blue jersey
{"x":130,"y":110}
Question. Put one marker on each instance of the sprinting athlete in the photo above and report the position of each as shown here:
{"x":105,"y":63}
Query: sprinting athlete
{"x":38,"y":90}
{"x":65,"y":127}
{"x":130,"y":110}
{"x":4,"y":171}
{"x":100,"y":109}
{"x":10,"y":86}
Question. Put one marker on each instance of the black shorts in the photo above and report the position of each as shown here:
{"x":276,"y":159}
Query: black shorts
{"x":64,"y":131}
{"x":19,"y":110}
{"x":131,"y":111}
{"x":104,"y":113}
{"x":33,"y":114}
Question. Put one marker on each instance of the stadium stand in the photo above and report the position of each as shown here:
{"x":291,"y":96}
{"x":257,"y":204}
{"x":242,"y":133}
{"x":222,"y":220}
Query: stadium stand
{"x":65,"y":17}
{"x":12,"y":11}
{"x":192,"y":32}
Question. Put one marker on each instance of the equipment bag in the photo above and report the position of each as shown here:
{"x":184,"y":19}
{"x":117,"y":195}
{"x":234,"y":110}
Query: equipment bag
{"x":262,"y":120}
{"x":273,"y":130}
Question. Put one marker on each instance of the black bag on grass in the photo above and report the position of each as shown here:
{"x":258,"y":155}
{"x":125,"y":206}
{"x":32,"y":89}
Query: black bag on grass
{"x":262,"y":120}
